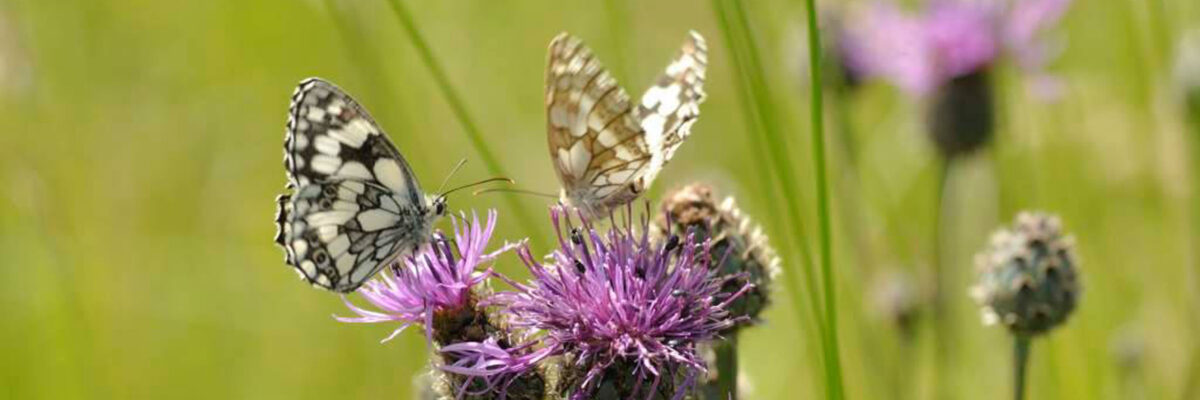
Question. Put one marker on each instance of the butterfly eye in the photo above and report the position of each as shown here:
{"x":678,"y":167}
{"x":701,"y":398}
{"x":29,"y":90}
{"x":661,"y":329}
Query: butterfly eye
{"x":439,"y":207}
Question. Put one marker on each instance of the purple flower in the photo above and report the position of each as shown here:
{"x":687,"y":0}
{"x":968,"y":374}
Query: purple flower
{"x":950,"y":39}
{"x":617,"y":300}
{"x":432,"y":279}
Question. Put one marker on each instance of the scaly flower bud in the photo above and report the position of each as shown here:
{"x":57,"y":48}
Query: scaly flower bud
{"x":1027,"y":277}
{"x":738,"y":243}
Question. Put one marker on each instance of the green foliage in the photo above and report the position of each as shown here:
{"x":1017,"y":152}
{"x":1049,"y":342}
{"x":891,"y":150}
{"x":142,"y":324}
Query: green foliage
{"x":141,"y":156}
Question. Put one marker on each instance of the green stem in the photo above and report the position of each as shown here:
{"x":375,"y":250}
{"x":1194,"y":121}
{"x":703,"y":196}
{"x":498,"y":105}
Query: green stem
{"x":941,"y":320}
{"x":1192,"y":113}
{"x":1021,"y":344}
{"x":727,"y":368}
{"x":832,"y":359}
{"x":464,"y":118}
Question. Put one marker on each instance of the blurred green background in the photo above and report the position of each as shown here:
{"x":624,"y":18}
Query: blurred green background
{"x":141,"y":153}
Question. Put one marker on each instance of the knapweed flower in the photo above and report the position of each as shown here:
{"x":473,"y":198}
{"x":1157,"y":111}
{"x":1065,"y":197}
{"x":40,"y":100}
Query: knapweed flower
{"x":1027,"y":276}
{"x":434,"y":286}
{"x":740,"y":247}
{"x":624,"y":314}
{"x":946,"y":53}
{"x":441,"y":288}
{"x":919,"y":52}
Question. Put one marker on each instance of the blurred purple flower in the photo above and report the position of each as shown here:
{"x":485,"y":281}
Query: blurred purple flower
{"x":432,"y":279}
{"x":950,"y":39}
{"x":620,"y":299}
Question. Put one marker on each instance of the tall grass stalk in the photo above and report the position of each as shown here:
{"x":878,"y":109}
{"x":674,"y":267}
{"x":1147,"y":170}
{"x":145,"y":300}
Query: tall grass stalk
{"x":753,"y":107}
{"x":756,"y":107}
{"x":771,"y":182}
{"x":832,"y":359}
{"x":464,"y":118}
{"x":752,"y":74}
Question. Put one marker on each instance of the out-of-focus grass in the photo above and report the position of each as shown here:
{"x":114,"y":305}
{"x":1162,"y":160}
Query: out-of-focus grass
{"x":138,"y":168}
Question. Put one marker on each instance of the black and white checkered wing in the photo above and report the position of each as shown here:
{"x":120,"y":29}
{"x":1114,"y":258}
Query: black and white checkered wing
{"x":670,"y":107}
{"x":354,"y":204}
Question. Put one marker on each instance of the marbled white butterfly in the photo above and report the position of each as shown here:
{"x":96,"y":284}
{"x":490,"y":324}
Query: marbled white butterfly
{"x":607,"y":150}
{"x":354,"y":205}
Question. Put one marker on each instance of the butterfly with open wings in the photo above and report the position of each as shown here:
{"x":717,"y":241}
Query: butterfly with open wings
{"x":605,"y":149}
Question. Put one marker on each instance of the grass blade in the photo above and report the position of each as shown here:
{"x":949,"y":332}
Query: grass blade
{"x":756,"y":92}
{"x":832,"y":359}
{"x":464,"y":118}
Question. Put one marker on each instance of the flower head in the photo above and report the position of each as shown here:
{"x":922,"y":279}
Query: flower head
{"x":739,"y":245}
{"x":433,"y":283}
{"x":1027,"y":277}
{"x":622,"y":309}
{"x":950,"y":39}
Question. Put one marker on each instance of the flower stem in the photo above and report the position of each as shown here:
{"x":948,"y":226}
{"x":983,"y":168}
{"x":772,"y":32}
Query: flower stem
{"x":942,"y":325}
{"x":1192,"y":111}
{"x":1021,"y":344}
{"x":727,"y":368}
{"x":464,"y":118}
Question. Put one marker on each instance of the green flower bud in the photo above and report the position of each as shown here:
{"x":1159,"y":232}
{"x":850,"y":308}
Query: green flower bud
{"x":961,"y":116}
{"x":1027,"y":277}
{"x":737,"y":241}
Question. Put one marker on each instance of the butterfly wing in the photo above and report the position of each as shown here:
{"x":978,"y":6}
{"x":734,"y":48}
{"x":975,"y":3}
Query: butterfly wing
{"x":355,"y":204}
{"x":670,"y":107}
{"x":596,"y":142}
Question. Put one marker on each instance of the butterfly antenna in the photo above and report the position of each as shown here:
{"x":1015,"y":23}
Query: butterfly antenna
{"x":511,"y":190}
{"x":452,"y":172}
{"x":488,"y":180}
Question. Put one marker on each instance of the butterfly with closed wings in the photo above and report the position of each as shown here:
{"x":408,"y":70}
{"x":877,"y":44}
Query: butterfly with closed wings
{"x":354,"y":205}
{"x":605,"y":149}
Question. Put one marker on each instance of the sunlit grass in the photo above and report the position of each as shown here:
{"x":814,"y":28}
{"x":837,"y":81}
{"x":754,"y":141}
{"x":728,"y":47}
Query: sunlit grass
{"x":138,"y":167}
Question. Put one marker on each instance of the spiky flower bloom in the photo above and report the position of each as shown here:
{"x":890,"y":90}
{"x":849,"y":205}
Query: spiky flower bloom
{"x":434,"y":286}
{"x":441,"y":287}
{"x":947,"y":51}
{"x":1027,"y":276}
{"x":949,"y":39}
{"x":738,"y":244}
{"x":624,"y":313}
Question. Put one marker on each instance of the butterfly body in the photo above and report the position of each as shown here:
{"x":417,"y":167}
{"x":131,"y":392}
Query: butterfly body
{"x":355,"y":205}
{"x":606,"y":149}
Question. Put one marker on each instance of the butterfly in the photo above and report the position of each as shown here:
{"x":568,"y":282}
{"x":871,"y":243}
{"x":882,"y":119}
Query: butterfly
{"x":354,"y":205}
{"x":607,"y":150}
